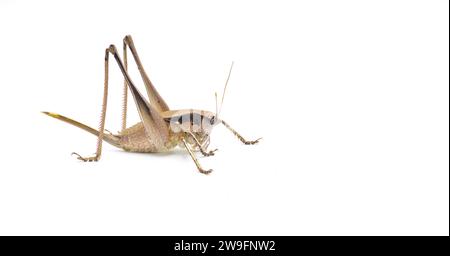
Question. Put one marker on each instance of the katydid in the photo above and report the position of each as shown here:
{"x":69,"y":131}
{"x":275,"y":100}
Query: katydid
{"x":160,"y":128}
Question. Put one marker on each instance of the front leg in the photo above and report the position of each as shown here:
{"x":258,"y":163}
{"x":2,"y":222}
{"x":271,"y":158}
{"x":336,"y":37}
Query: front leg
{"x":246,"y":142}
{"x":199,"y":145}
{"x":209,"y":153}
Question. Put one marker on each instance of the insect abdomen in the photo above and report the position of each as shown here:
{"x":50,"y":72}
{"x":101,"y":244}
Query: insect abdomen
{"x":135,"y":139}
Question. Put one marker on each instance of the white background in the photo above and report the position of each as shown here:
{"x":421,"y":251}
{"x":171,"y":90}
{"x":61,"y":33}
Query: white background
{"x":351,"y":99}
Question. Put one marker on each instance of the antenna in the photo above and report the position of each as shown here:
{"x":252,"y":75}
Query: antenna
{"x":217,"y":113}
{"x":225,"y":88}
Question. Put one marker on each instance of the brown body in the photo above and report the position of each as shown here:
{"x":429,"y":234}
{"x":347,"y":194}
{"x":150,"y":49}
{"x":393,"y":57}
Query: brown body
{"x":160,"y":129}
{"x":135,"y":138}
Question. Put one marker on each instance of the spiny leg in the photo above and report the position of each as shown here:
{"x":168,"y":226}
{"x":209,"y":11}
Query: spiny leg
{"x":246,"y":142}
{"x":206,"y":143}
{"x":199,"y":145}
{"x":155,"y":126}
{"x":101,"y":129}
{"x":125,"y":90}
{"x":153,"y":96}
{"x":199,"y":167}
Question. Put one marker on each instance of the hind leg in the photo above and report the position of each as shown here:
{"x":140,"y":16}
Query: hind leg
{"x":154,"y":125}
{"x":101,"y":130}
{"x":155,"y":99}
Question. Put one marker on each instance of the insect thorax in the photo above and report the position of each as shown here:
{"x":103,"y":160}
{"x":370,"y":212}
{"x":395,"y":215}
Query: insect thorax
{"x":189,"y":125}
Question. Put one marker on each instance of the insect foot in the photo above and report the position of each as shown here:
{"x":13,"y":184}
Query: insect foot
{"x":251,"y":142}
{"x":86,"y":159}
{"x":205,"y":172}
{"x":209,"y":153}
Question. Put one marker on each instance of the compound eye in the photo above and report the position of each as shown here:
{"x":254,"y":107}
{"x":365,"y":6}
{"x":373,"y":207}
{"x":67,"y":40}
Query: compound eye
{"x":213,"y":120}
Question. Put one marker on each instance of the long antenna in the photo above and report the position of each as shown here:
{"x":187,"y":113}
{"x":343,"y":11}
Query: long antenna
{"x":217,"y":106}
{"x":225,"y":88}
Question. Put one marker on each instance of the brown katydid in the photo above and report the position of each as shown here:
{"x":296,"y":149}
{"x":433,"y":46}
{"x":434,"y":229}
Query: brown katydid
{"x":160,"y":129}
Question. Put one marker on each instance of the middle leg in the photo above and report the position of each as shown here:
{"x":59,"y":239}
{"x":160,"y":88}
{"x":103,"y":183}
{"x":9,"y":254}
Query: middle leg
{"x":199,"y":167}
